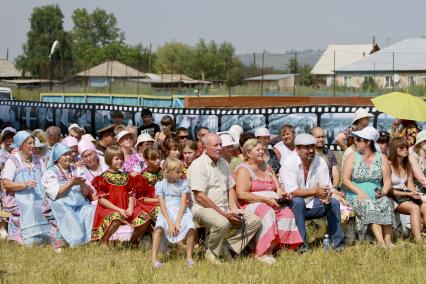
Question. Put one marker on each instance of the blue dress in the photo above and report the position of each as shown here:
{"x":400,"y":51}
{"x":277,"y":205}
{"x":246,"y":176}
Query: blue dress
{"x":172,"y":194}
{"x":72,"y":213}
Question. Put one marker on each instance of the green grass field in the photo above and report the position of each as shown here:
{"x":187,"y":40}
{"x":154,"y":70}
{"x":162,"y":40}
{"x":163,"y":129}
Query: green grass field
{"x":363,"y":263}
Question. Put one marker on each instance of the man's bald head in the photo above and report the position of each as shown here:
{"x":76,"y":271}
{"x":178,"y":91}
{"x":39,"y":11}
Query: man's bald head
{"x":212,"y":145}
{"x":318,"y":133}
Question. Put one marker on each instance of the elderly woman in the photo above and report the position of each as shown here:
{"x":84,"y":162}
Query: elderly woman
{"x":72,"y":143}
{"x":270,"y":157}
{"x":259,"y":192}
{"x":71,"y":213}
{"x":24,"y":193}
{"x":367,"y":180}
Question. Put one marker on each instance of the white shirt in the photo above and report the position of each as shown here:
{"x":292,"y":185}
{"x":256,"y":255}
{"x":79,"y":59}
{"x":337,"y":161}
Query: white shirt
{"x":284,"y":151}
{"x":292,"y":175}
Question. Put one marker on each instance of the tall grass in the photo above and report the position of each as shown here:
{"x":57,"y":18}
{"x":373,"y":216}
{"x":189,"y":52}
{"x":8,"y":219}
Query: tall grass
{"x":363,"y":263}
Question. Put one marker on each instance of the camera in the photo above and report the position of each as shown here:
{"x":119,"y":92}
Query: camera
{"x":283,"y":202}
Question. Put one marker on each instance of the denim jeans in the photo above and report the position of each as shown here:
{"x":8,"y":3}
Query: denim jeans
{"x":319,"y":210}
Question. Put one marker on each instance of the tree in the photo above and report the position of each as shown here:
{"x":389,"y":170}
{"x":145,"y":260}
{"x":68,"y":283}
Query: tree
{"x":46,"y":27}
{"x":95,"y":34}
{"x":173,"y":57}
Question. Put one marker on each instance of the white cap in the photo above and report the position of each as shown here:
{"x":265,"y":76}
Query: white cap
{"x":236,"y":131}
{"x":305,"y":139}
{"x":122,"y":134}
{"x":361,"y":113}
{"x":143,"y":137}
{"x":261,"y":131}
{"x":37,"y":143}
{"x":227,"y":140}
{"x":368,"y":133}
{"x":88,"y":137}
{"x":420,"y":137}
{"x":74,"y":125}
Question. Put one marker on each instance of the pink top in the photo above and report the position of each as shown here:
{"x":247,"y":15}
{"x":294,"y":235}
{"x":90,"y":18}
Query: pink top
{"x":260,"y":185}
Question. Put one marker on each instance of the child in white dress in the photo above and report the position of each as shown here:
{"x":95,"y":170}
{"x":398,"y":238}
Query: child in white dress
{"x":175,"y":219}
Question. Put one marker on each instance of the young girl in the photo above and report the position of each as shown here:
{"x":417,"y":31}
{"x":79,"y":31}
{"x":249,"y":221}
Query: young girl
{"x":174,"y":219}
{"x":116,"y":204}
{"x":167,"y":130}
{"x":172,"y":148}
{"x":189,"y":154}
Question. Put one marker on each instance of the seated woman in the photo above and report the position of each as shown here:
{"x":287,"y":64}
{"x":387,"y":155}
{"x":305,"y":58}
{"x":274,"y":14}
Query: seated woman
{"x":189,"y":154}
{"x":72,"y":142}
{"x":259,"y":191}
{"x":71,"y":213}
{"x":404,"y":192}
{"x":24,"y":193}
{"x":363,"y":173}
{"x":418,"y":163}
{"x":116,"y":202}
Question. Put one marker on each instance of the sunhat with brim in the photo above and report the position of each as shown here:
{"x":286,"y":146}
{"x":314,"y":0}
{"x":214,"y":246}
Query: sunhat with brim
{"x":368,"y":133}
{"x":261,"y":131}
{"x":20,"y":138}
{"x":305,"y":139}
{"x":361,"y":113}
{"x":70,"y":141}
{"x":143,"y":137}
{"x":122,"y":134}
{"x":11,"y":129}
{"x":227,"y":140}
{"x":58,"y":151}
{"x":420,"y":137}
{"x":74,"y":125}
{"x":88,"y":137}
{"x":236,"y":131}
{"x":38,"y":144}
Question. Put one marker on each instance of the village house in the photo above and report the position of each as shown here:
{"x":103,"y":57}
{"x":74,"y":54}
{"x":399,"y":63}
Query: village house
{"x":400,"y":65}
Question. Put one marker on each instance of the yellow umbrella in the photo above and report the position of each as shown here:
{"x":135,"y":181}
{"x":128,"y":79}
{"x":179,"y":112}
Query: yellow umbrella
{"x":401,"y":105}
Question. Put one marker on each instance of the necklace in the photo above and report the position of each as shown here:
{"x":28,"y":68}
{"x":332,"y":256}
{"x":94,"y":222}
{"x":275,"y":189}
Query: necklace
{"x":64,"y":175}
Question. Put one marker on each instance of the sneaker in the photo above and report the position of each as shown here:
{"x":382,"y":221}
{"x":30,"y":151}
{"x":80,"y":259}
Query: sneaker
{"x":268,"y":259}
{"x":209,"y":256}
{"x":3,"y":234}
{"x":189,"y":262}
{"x":58,"y":250}
{"x":157,"y":264}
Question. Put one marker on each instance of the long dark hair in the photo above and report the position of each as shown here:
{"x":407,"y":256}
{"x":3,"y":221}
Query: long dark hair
{"x":393,"y":154}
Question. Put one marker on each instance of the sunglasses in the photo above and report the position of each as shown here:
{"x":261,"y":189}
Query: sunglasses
{"x":183,"y":137}
{"x":359,"y":139}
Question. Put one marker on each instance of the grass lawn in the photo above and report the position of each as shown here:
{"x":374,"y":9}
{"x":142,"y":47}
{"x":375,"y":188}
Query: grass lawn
{"x":362,"y":263}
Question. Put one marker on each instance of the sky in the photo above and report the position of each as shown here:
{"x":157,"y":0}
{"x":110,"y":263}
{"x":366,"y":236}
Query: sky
{"x":252,"y":26}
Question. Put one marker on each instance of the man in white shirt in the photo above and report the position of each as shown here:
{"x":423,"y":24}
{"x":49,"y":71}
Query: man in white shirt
{"x":215,"y":203}
{"x":285,"y":147}
{"x":305,"y":175}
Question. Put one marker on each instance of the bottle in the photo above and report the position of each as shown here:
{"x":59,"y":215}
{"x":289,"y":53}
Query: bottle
{"x":326,"y":242}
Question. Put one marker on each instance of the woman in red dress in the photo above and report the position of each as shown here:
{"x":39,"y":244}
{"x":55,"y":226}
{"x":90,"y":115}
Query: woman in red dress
{"x":116,"y":205}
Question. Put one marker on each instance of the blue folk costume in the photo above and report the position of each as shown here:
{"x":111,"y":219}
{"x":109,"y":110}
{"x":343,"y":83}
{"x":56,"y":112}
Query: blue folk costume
{"x":71,"y":213}
{"x":27,"y":224}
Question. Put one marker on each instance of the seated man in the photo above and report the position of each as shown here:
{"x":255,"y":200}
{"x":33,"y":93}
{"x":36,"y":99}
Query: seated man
{"x":305,"y":175}
{"x":215,"y":203}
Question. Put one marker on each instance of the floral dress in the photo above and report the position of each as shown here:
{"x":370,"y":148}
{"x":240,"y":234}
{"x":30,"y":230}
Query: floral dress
{"x":146,"y":189}
{"x":133,"y":163}
{"x":116,"y":187}
{"x":372,"y":210}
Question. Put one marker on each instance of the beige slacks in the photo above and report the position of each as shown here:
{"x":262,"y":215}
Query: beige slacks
{"x":219,"y":230}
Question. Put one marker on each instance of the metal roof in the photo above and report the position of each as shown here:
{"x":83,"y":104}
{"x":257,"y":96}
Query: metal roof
{"x":271,"y":77}
{"x":406,"y":55}
{"x":111,"y":69}
{"x":341,"y":53}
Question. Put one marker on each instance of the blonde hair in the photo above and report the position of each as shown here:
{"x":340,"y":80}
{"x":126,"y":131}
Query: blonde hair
{"x":171,"y":164}
{"x":111,"y":152}
{"x":248,"y":146}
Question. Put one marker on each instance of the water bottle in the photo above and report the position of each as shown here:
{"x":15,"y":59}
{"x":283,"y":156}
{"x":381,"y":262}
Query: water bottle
{"x":326,"y":242}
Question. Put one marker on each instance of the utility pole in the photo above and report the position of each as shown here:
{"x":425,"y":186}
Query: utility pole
{"x":334,"y":73}
{"x":149,"y":58}
{"x":294,"y":75}
{"x":263,"y":65}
